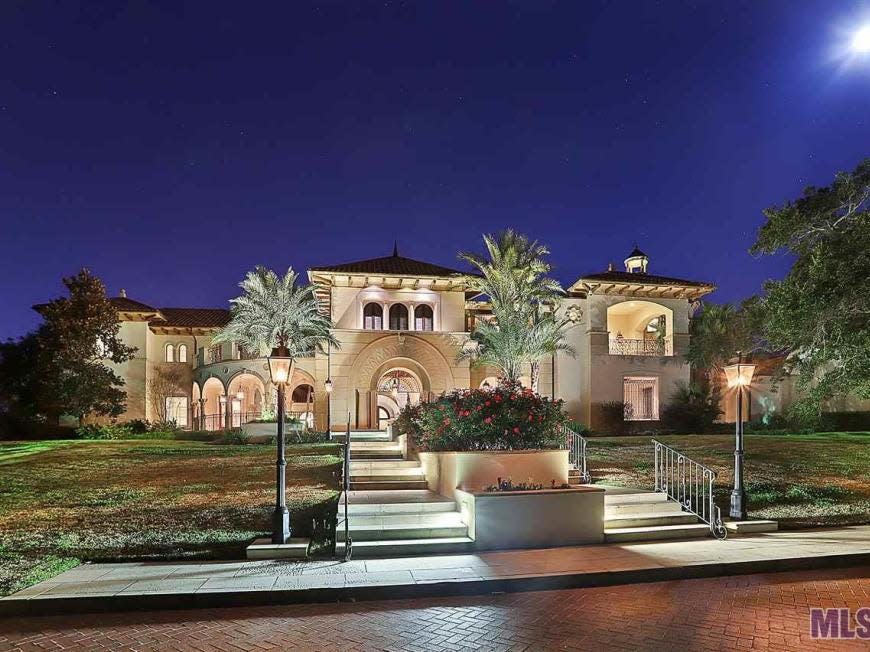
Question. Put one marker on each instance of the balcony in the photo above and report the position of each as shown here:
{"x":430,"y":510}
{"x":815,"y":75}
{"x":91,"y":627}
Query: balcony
{"x":653,"y":347}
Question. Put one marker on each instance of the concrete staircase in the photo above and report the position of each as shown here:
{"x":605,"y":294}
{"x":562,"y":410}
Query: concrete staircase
{"x":390,"y":508}
{"x":631,"y":515}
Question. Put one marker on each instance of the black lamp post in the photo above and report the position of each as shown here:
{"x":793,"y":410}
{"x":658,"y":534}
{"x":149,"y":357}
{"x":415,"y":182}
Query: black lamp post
{"x":328,"y":387}
{"x":739,"y":376}
{"x":281,"y":371}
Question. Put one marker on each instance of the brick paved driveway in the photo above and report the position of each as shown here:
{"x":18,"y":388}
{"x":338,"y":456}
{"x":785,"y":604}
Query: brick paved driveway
{"x":767,"y":611}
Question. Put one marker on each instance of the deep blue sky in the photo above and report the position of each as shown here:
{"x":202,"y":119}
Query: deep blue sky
{"x":171,"y":149}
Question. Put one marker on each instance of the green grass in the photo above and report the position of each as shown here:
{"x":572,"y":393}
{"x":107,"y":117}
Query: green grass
{"x":12,"y":451}
{"x":801,"y":480}
{"x":66,"y":502}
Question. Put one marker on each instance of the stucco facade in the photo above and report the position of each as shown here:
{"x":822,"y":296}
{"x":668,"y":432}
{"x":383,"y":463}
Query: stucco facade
{"x":401,"y":325}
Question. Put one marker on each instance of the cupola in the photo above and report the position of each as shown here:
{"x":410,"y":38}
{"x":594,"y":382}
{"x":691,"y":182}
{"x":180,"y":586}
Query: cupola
{"x":637,"y":262}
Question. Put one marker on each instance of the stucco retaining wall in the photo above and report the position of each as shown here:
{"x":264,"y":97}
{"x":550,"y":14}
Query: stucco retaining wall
{"x":475,"y":470}
{"x":533,"y":519}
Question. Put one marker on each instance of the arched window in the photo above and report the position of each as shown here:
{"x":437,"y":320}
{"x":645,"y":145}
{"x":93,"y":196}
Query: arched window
{"x":423,"y":318}
{"x":170,"y":353}
{"x":182,"y":352}
{"x":373,"y":317}
{"x":398,"y":317}
{"x":301,"y":394}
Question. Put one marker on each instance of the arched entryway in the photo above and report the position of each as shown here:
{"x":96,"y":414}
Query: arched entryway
{"x":246,"y":392}
{"x":423,"y":372}
{"x":213,"y":404}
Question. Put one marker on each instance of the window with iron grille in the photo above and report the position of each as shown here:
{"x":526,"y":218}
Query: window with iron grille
{"x":641,"y":398}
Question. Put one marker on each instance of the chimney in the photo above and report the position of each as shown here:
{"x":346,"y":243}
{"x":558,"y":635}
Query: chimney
{"x":122,"y":293}
{"x":609,"y":268}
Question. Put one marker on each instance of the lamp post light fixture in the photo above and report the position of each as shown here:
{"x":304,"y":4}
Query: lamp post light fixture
{"x":739,"y":375}
{"x":328,"y":387}
{"x":281,"y":371}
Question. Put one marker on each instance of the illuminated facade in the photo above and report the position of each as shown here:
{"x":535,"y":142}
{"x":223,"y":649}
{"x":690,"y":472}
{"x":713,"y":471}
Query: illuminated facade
{"x":401,"y":324}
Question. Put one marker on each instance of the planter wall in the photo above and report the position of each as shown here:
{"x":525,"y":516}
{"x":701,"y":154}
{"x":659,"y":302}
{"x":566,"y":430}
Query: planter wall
{"x":533,"y":519}
{"x":474,"y":471}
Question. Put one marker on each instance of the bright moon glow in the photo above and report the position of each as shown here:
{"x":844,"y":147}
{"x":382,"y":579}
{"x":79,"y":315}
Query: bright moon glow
{"x":861,"y":41}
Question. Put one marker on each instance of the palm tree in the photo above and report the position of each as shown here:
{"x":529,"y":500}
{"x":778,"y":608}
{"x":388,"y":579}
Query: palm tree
{"x":523,"y":298}
{"x":717,"y":333}
{"x":545,"y":337}
{"x":276,"y":312}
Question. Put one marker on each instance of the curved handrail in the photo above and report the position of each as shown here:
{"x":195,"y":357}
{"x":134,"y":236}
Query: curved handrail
{"x":690,"y":483}
{"x":576,"y":445}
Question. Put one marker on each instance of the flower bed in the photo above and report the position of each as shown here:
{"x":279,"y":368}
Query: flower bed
{"x":504,"y":418}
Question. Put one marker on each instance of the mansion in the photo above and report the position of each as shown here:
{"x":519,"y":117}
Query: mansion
{"x":401,"y":324}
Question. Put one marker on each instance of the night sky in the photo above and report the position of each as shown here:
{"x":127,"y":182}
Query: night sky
{"x":172,"y":149}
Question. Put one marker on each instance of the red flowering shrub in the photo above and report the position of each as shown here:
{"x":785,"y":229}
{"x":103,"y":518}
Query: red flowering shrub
{"x":507,"y":417}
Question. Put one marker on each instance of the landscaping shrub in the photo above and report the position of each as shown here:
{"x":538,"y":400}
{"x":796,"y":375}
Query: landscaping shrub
{"x":693,"y":408}
{"x":608,"y":418}
{"x":845,"y":422}
{"x":235,"y":437}
{"x":139,"y":426}
{"x":507,"y":417}
{"x":306,"y":437}
{"x":104,"y":431}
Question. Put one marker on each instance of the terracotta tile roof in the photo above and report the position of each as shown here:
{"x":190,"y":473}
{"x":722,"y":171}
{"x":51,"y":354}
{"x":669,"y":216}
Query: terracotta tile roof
{"x":193,"y":317}
{"x":390,"y":266}
{"x":124,"y":304}
{"x":636,"y":277}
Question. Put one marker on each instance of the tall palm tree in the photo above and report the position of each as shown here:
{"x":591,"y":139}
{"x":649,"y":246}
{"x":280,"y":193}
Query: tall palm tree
{"x":274,"y":311}
{"x":523,"y":298}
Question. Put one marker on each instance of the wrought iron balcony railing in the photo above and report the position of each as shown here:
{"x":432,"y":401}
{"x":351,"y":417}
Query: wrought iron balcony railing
{"x":652,"y":347}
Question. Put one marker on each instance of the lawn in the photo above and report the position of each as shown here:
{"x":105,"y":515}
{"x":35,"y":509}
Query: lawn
{"x":66,"y":502}
{"x":801,"y":480}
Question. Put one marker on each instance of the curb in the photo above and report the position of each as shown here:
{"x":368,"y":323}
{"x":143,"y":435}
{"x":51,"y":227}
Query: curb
{"x":178,"y":601}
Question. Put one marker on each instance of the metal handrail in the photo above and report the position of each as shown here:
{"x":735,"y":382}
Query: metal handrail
{"x":348,"y":543}
{"x":690,"y":484}
{"x":576,"y":445}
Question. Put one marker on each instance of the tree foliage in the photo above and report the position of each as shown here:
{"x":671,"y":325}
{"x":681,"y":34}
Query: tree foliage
{"x":693,"y":408}
{"x":717,"y":332}
{"x":79,"y":338}
{"x":820,"y":312}
{"x":525,"y":326}
{"x":275,"y":311}
{"x":63,"y":368}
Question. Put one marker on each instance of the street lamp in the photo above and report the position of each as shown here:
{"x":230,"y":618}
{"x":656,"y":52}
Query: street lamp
{"x":281,"y":371}
{"x":328,"y":387}
{"x":739,"y":375}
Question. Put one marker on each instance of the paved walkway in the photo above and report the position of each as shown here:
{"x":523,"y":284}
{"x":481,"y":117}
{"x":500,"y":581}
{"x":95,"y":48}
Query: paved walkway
{"x":144,"y":585}
{"x":749,"y":612}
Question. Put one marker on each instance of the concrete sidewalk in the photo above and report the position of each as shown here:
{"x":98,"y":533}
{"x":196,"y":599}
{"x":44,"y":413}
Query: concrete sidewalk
{"x":130,"y":586}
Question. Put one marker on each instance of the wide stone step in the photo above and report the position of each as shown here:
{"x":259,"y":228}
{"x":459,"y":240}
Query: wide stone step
{"x":420,"y":519}
{"x":648,"y":520}
{"x":413,"y":501}
{"x":374,"y":475}
{"x":658,"y":507}
{"x":374,"y":445}
{"x":371,"y":532}
{"x":375,"y":455}
{"x":656,"y":533}
{"x":639,"y":497}
{"x":408,"y":547}
{"x":386,"y":485}
{"x":375,"y":436}
{"x":361,"y":465}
